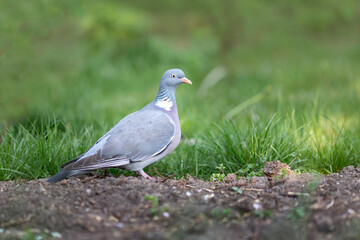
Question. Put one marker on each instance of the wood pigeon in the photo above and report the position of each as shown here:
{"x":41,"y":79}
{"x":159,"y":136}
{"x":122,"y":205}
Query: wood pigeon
{"x":139,"y":139}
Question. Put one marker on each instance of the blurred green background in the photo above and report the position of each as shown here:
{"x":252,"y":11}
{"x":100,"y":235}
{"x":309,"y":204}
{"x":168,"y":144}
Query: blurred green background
{"x":90,"y":63}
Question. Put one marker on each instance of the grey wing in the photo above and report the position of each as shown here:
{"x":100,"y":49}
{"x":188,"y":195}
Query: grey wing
{"x":137,"y":137}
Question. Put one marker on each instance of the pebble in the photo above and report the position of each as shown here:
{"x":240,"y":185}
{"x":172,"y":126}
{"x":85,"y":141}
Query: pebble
{"x":257,"y":205}
{"x":230,"y":178}
{"x":56,"y":235}
{"x":208,"y":196}
{"x":119,"y":225}
{"x":351,"y":211}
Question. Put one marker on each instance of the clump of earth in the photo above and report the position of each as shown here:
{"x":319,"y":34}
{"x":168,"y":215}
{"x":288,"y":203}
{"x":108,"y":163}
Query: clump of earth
{"x":279,"y":205}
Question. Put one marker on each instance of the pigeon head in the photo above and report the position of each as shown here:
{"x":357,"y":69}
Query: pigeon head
{"x":169,"y":81}
{"x":173,"y":77}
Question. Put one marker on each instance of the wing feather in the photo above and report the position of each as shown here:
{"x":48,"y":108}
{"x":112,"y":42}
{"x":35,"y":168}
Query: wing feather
{"x":135,"y":138}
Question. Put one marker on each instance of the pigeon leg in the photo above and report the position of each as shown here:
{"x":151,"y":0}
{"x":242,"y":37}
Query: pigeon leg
{"x":145,"y":175}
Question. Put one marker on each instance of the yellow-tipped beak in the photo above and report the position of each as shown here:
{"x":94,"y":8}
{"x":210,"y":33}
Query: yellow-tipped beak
{"x":185,"y":80}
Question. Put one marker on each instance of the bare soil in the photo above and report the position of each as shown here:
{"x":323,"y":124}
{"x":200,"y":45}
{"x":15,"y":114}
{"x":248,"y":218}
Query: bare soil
{"x":279,"y":205}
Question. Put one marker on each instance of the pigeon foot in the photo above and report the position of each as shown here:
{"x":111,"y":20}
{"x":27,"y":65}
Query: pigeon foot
{"x":145,"y":175}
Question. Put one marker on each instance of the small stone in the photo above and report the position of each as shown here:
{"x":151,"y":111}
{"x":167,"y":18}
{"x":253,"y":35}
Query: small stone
{"x":88,"y":191}
{"x":351,"y":211}
{"x":242,"y":181}
{"x":230,"y":178}
{"x":277,"y":170}
{"x":190,"y":178}
{"x":324,"y":223}
{"x":96,"y":217}
{"x":257,"y":205}
{"x":56,"y":235}
{"x":348,"y":169}
{"x":42,"y":189}
{"x":119,"y":225}
{"x":259,"y":182}
{"x":63,"y":182}
{"x":188,"y":193}
{"x":208,"y":196}
{"x":113,"y":219}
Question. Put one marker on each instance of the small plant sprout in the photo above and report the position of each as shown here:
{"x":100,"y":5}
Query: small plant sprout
{"x":249,"y":171}
{"x":282,"y":175}
{"x":155,"y":210}
{"x":155,"y":204}
{"x":266,"y":213}
{"x":297,"y":213}
{"x":221,"y":214}
{"x":218,"y":176}
{"x":237,"y":190}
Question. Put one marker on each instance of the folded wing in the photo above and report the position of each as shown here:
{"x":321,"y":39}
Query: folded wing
{"x":135,"y":138}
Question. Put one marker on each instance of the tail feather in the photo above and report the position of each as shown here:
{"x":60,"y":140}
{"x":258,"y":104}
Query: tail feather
{"x":64,"y":174}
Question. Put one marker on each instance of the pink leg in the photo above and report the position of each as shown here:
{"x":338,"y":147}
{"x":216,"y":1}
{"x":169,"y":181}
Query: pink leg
{"x":145,"y":175}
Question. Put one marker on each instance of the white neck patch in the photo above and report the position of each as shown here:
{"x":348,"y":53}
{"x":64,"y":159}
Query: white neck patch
{"x":164,"y":103}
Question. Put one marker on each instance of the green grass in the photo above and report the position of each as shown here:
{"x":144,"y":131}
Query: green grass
{"x":38,"y":149}
{"x":290,"y":90}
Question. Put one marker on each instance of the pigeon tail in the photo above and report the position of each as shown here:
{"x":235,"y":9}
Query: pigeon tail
{"x":64,"y":174}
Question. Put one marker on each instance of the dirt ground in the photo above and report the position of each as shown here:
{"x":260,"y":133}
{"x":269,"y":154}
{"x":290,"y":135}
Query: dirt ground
{"x":279,"y":205}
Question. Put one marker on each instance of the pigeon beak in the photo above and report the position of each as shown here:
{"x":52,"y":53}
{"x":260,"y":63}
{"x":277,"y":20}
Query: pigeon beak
{"x":185,"y":80}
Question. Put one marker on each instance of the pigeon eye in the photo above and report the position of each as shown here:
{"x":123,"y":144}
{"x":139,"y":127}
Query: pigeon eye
{"x":173,"y":75}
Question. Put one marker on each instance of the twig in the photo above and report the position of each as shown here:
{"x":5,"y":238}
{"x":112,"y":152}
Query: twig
{"x":18,"y":221}
{"x":168,"y":177}
{"x":88,"y":178}
{"x":253,"y":189}
{"x":330,"y":204}
{"x":120,"y":182}
{"x":158,"y":172}
{"x":208,"y":190}
{"x":297,"y":194}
